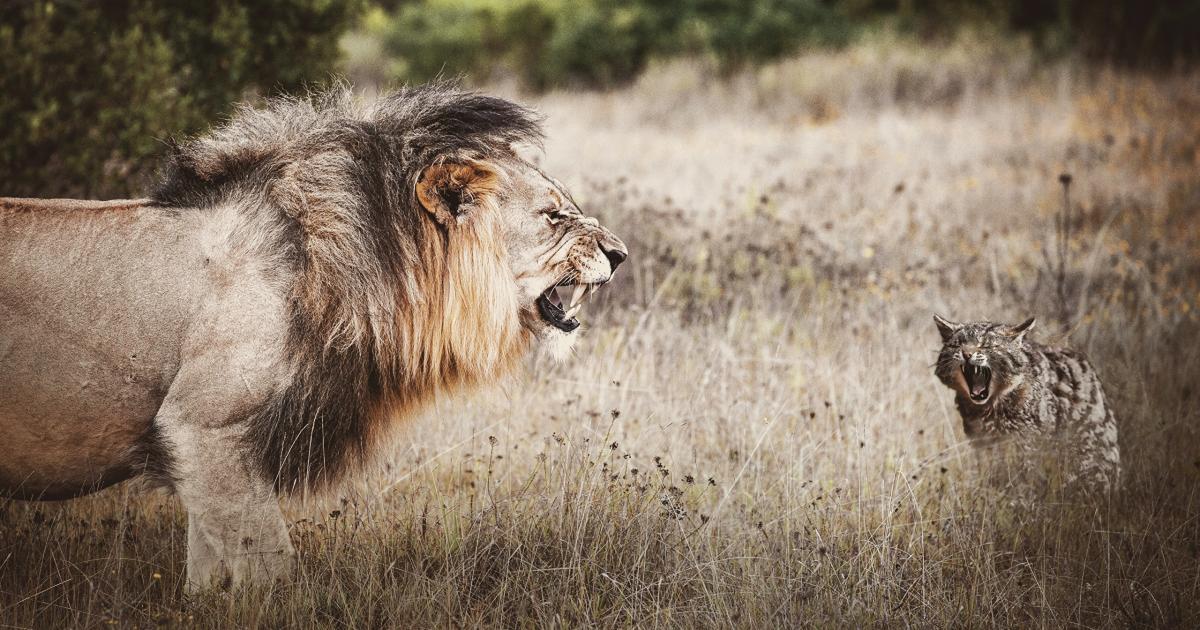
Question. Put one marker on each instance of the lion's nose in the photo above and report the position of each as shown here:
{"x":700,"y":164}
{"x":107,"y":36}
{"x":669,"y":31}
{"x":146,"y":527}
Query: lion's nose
{"x":616,"y":256}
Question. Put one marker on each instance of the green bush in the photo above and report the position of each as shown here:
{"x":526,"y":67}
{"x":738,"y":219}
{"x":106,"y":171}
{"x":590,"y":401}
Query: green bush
{"x":739,"y":33}
{"x":431,"y":39}
{"x":596,"y":43}
{"x":1141,"y":32}
{"x":602,"y":42}
{"x":92,"y":90}
{"x":1125,"y":32}
{"x":599,"y":43}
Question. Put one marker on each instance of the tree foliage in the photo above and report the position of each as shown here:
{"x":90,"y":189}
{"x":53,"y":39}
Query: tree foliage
{"x":1124,"y":32}
{"x":93,"y":89}
{"x":598,"y":43}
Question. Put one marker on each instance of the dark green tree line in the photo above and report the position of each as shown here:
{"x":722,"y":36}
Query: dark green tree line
{"x":92,"y":89}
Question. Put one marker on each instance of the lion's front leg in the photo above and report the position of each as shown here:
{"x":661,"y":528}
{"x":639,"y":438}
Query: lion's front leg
{"x":241,"y":542}
{"x":236,"y":530}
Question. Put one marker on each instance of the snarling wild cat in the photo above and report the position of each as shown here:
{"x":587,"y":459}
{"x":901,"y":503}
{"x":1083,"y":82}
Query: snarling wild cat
{"x":1005,"y":384}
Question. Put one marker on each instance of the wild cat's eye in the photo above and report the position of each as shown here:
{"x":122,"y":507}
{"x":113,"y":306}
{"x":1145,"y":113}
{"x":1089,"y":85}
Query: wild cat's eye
{"x":553,"y":216}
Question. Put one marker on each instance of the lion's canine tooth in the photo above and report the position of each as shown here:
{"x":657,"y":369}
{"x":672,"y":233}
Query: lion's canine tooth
{"x":578,"y":295}
{"x":571,"y":313}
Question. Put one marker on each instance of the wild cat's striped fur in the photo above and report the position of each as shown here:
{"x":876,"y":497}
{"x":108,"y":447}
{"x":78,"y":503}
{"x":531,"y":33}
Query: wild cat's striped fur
{"x":1006,"y":384}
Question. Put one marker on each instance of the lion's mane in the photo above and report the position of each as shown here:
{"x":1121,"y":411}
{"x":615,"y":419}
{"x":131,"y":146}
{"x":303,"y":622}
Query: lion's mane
{"x":386,"y":307}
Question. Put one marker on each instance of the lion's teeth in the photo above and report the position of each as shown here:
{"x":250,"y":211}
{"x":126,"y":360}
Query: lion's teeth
{"x":572,"y":311}
{"x":578,"y":295}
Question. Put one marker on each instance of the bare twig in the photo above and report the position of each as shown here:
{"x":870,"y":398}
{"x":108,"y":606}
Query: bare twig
{"x":1063,"y":233}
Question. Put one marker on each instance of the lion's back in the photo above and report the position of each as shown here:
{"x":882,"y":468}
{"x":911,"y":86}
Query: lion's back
{"x":15,"y":204}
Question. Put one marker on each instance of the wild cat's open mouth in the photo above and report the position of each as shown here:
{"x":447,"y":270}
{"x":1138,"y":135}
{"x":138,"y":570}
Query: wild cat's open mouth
{"x":551,"y":304}
{"x":979,"y":380}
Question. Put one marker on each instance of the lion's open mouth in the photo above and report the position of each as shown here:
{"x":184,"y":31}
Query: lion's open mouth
{"x":979,"y":380}
{"x":550,"y":304}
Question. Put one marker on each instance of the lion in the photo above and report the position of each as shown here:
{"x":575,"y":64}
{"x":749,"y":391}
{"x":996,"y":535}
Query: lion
{"x":307,"y":275}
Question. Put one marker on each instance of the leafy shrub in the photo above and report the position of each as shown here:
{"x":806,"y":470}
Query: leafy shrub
{"x":440,"y":38}
{"x":1127,"y":32}
{"x":596,"y":42}
{"x":593,"y":42}
{"x":602,"y":42}
{"x":91,"y":90}
{"x":738,"y":33}
{"x":1136,"y":31}
{"x":599,"y":43}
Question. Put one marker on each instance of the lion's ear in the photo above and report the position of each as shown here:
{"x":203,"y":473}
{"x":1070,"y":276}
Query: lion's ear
{"x":451,"y":192}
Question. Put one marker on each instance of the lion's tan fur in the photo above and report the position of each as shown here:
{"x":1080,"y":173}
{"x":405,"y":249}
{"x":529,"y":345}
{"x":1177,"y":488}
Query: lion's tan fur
{"x":304,"y":277}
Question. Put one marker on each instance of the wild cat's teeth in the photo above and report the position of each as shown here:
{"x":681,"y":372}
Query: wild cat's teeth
{"x":577,"y":297}
{"x":572,"y":311}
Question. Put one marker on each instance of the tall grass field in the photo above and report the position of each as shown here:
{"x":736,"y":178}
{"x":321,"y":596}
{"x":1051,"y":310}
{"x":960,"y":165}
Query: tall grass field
{"x":750,"y":433}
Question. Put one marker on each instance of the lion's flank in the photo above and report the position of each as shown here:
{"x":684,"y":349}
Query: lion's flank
{"x":380,"y":292}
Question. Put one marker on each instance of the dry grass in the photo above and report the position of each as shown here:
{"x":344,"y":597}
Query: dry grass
{"x":751,"y":433}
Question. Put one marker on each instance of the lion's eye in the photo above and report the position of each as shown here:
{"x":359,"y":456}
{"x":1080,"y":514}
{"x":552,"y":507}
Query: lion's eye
{"x":553,"y":216}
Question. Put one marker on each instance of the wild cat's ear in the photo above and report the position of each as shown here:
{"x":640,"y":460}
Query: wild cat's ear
{"x":452,"y":191}
{"x":945,"y":326}
{"x":1018,"y":332}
